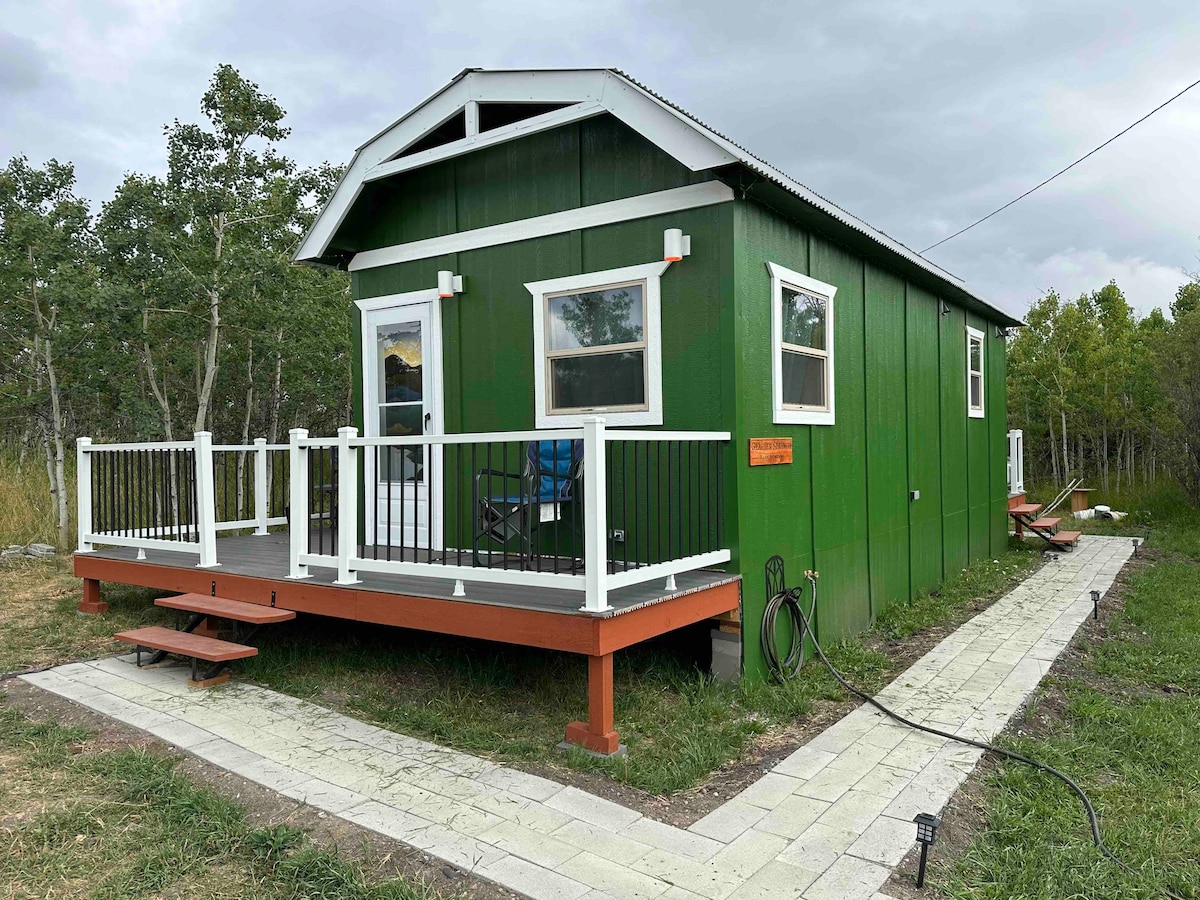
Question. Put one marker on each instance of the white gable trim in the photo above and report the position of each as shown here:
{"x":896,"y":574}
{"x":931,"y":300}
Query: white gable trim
{"x":595,"y":90}
{"x":643,"y":206}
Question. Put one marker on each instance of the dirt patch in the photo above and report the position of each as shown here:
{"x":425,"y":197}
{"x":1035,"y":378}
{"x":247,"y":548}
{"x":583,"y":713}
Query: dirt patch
{"x":379,"y":856}
{"x":965,"y":816}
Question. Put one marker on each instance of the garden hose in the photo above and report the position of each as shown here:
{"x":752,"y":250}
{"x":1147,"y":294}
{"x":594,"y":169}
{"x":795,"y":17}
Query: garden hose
{"x":789,"y":669}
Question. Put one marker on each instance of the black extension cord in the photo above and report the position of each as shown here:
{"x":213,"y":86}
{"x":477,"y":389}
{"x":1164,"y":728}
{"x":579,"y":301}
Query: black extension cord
{"x":788,"y":667}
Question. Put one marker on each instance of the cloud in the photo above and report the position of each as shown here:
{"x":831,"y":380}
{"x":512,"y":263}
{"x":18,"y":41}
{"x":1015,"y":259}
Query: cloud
{"x":918,"y":117}
{"x":1018,"y":281}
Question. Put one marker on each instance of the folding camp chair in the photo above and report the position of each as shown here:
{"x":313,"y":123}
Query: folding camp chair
{"x":513,"y":507}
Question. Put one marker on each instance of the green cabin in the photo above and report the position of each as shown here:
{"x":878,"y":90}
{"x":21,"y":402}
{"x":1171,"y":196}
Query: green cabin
{"x":534,"y":251}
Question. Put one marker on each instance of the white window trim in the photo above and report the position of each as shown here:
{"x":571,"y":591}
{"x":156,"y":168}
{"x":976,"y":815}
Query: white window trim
{"x":650,"y":273}
{"x":977,"y":412}
{"x":785,"y":415}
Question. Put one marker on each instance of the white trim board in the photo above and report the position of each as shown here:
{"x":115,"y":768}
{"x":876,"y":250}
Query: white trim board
{"x":708,"y":193}
{"x":980,"y":411}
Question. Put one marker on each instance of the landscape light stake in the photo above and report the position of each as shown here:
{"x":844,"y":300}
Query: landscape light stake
{"x":1095,"y":605}
{"x":927,"y":826}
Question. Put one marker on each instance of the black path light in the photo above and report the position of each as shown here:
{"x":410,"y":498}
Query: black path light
{"x":927,"y":826}
{"x":1095,"y":604}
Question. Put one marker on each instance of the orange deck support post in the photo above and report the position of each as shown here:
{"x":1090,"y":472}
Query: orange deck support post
{"x":597,"y":734}
{"x":91,"y":604}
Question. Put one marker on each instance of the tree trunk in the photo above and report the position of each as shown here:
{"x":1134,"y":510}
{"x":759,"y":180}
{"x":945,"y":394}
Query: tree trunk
{"x":241,"y":458}
{"x":276,"y":400}
{"x":56,"y":469}
{"x":214,"y":330}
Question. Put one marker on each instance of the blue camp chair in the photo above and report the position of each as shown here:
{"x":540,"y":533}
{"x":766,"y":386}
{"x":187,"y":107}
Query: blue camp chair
{"x":548,"y":490}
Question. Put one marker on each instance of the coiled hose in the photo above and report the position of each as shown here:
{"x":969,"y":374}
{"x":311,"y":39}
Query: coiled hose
{"x":789,"y":666}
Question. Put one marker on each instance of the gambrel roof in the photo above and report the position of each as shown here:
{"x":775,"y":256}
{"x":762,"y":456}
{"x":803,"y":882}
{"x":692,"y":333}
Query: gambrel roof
{"x":448,"y":124}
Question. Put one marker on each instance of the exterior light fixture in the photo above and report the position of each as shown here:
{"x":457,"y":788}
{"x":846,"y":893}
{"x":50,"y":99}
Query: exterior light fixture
{"x":449,"y":284}
{"x":676,"y":245}
{"x":1001,"y":331}
{"x":927,"y":826}
{"x":945,"y":308}
{"x":1135,"y":548}
{"x":1095,"y":604}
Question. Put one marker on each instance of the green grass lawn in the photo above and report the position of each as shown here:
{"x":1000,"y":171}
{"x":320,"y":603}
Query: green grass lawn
{"x":38,"y":623}
{"x":82,"y":821}
{"x":1126,"y":725}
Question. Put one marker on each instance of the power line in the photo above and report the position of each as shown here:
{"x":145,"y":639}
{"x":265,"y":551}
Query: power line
{"x":1061,"y":171}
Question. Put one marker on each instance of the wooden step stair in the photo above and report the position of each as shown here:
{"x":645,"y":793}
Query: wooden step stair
{"x":221,"y":608}
{"x":1045,"y":522}
{"x":193,"y":646}
{"x":1065,"y":538}
{"x":1025,"y":509}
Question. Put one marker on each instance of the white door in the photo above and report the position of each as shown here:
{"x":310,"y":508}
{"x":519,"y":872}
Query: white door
{"x":402,"y":375}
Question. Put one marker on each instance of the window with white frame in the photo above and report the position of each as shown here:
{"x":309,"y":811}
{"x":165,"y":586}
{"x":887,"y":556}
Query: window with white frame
{"x":974,"y":373}
{"x":596,"y":347}
{"x":801,"y":348}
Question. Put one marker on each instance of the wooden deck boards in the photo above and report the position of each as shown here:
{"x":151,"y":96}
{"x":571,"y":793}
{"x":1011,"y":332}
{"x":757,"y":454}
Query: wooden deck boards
{"x":266,"y":557}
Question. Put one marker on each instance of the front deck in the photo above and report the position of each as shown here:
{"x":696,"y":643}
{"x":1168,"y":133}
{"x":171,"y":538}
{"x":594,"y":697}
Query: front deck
{"x":161,"y":517}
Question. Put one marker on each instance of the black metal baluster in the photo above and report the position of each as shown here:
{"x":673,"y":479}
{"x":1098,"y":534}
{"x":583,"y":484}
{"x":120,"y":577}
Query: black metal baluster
{"x":487,"y":503}
{"x":195,"y":504}
{"x":649,"y":553}
{"x":609,"y":540}
{"x":537,"y":486}
{"x":624,"y":509}
{"x":388,"y":475}
{"x":476,"y":514}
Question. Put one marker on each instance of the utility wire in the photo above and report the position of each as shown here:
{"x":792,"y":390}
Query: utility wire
{"x":1064,"y":170}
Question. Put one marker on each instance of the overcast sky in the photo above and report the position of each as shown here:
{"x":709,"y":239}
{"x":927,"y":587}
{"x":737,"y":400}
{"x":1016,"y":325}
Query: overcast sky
{"x":918,"y":117}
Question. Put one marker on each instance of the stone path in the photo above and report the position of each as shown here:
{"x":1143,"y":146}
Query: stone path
{"x":828,"y":823}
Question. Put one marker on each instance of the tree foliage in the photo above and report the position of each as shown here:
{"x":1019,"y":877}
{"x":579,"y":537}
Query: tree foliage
{"x":1104,"y":395}
{"x":175,"y":308}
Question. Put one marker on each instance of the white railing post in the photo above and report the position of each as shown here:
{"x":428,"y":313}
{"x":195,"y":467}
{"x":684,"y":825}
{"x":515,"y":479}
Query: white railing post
{"x":595,"y":559}
{"x":298,"y":522}
{"x":262,"y":505}
{"x":83,"y":488}
{"x":347,"y":512}
{"x":206,"y":500}
{"x":1016,"y":462}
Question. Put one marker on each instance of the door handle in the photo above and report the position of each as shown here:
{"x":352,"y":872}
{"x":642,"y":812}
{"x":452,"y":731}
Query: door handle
{"x":428,"y":417}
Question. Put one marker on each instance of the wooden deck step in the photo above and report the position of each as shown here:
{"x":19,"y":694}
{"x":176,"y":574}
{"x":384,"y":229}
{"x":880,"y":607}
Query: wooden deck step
{"x":1045,"y":522}
{"x":226,"y":609}
{"x":1025,"y":509}
{"x":1066,"y":538}
{"x":185,"y":644}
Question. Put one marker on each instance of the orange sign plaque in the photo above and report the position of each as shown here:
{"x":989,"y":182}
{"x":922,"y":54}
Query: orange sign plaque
{"x":770,"y":451}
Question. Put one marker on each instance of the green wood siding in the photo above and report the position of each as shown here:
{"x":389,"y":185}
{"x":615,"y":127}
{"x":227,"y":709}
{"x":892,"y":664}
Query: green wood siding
{"x":953,"y":355}
{"x":887,"y":439}
{"x":839,"y":456}
{"x":979,"y":482}
{"x":924,"y":439}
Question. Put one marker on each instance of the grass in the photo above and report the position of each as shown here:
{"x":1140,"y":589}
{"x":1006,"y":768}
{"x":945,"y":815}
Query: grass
{"x":27,"y":513}
{"x":1126,"y":725}
{"x":79,"y":821}
{"x":38,"y":623}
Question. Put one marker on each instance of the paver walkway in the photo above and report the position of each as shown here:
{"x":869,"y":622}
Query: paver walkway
{"x":828,"y":822}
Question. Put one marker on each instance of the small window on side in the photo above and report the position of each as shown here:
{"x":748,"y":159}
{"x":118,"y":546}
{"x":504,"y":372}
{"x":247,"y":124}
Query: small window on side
{"x":975,"y":396}
{"x":801,"y":348}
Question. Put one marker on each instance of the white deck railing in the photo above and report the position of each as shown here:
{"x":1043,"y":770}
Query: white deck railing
{"x":629,"y":507}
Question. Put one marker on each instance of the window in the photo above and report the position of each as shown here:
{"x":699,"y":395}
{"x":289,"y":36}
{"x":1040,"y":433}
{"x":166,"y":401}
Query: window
{"x":801,"y":348}
{"x":974,"y":373}
{"x":596,"y":347}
